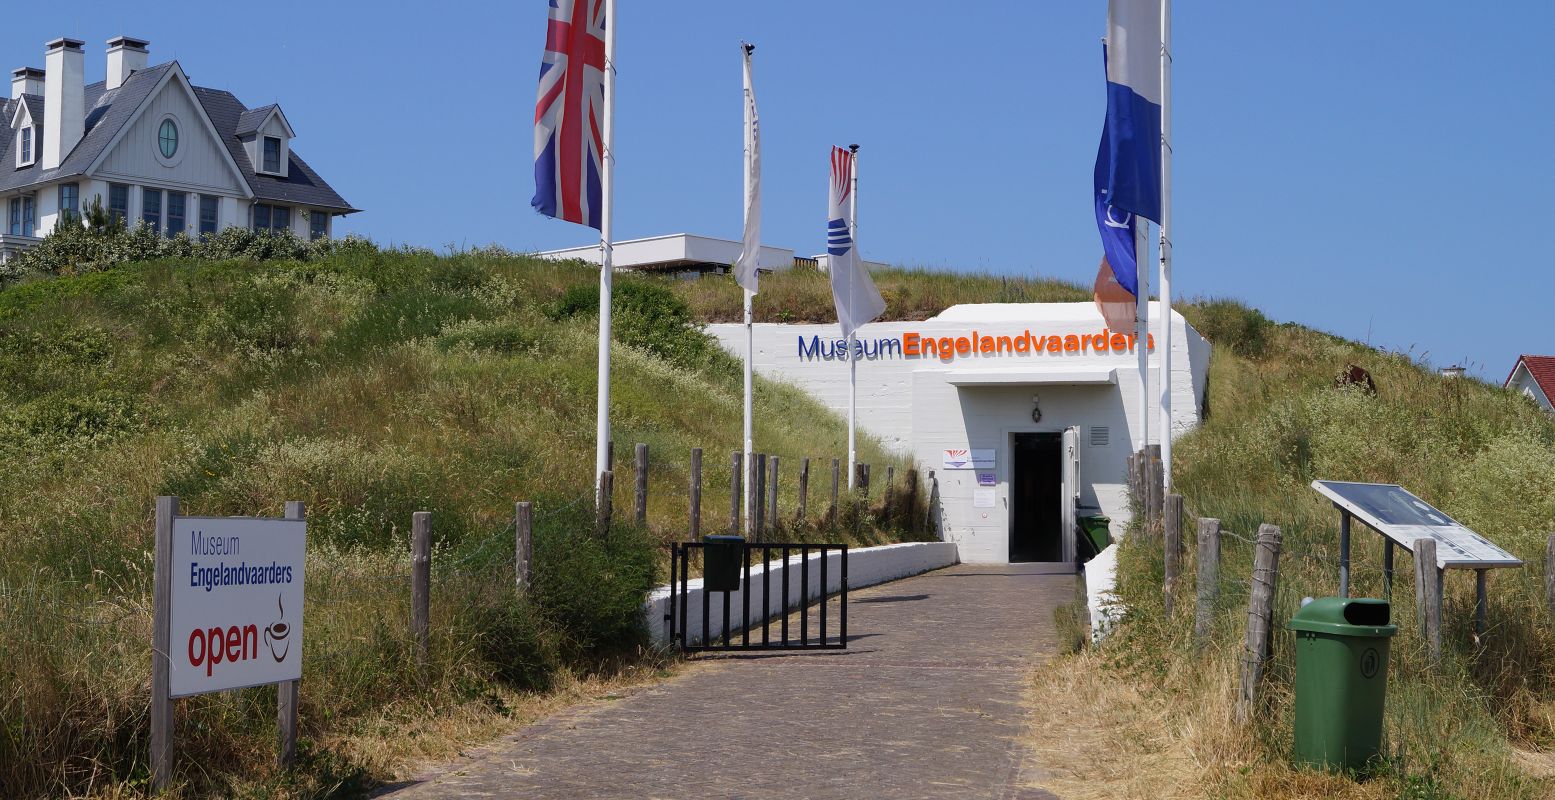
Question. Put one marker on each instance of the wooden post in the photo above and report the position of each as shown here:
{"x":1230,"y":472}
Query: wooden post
{"x":890,"y":489}
{"x":523,"y":544}
{"x":910,"y":504}
{"x":286,"y":692}
{"x":1208,"y":581}
{"x":1549,"y":574}
{"x":836,"y":477}
{"x":696,"y":494}
{"x":772,"y":493}
{"x":1172,"y":543}
{"x":421,"y":585}
{"x":1428,"y":596}
{"x":1260,"y":609}
{"x":804,"y":487}
{"x":640,"y":504}
{"x":604,"y":506}
{"x":1156,"y":487}
{"x":161,"y":660}
{"x":736,"y":474}
{"x":931,"y":515}
{"x":758,"y":497}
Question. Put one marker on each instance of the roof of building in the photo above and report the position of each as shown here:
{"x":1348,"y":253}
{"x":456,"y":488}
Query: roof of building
{"x":34,"y":105}
{"x":108,"y":111}
{"x":1542,"y":368}
{"x":250,"y":120}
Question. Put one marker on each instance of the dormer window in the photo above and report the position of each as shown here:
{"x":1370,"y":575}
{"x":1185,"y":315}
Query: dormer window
{"x":24,"y":153}
{"x":272,"y":154}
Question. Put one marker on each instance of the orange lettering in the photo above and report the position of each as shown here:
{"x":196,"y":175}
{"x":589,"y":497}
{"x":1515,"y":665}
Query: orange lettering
{"x":986,"y":344}
{"x":1120,"y":342}
{"x":947,"y":348}
{"x":1003,"y":344}
{"x":962,"y":345}
{"x":1054,"y":344}
{"x":910,"y":344}
{"x":1023,"y":343}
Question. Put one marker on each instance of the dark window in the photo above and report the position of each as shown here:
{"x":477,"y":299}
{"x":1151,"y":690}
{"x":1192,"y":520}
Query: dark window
{"x":119,"y":202}
{"x":16,"y":217}
{"x":70,"y":198}
{"x":151,"y":208}
{"x":261,"y":217}
{"x":175,"y":213}
{"x":272,"y":218}
{"x":167,"y":138}
{"x":208,"y":206}
{"x":318,"y":225}
{"x":29,"y":217}
{"x":26,"y":145}
{"x":272,"y":154}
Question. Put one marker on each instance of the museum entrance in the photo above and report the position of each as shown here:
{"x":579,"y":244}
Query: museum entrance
{"x":1036,"y":494}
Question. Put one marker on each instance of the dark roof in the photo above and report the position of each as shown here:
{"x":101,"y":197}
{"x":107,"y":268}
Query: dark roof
{"x":250,"y":120}
{"x":109,"y":111}
{"x":1542,"y":368}
{"x":34,"y":105}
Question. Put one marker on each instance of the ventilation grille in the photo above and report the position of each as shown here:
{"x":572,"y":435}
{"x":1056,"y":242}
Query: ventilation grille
{"x":1101,"y":436}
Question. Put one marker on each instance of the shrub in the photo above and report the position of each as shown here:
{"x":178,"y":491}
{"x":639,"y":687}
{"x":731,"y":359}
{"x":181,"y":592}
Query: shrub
{"x":646,"y":315}
{"x":1228,"y":323}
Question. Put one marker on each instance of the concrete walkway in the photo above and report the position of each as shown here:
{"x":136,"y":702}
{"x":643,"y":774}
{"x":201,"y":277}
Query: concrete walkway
{"x":924,"y":703}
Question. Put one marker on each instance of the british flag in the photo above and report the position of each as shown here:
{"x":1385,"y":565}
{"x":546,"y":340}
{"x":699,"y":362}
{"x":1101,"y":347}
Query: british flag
{"x":569,"y":153}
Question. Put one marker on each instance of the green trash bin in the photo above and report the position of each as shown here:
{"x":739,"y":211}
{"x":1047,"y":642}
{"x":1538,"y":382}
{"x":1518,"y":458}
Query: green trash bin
{"x":722,"y":557}
{"x":1341,"y":680}
{"x":1097,"y":529}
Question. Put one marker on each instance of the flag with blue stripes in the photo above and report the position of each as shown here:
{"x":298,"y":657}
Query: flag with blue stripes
{"x":1133,"y":141}
{"x":853,"y":291}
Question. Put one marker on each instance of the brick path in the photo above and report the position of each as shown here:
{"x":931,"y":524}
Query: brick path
{"x":925,"y":703}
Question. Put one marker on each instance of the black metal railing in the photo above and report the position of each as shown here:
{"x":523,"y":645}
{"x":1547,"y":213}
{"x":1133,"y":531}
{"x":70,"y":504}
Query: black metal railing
{"x":776,"y":563}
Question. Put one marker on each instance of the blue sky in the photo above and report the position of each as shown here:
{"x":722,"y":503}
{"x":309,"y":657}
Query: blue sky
{"x":1382,"y":170}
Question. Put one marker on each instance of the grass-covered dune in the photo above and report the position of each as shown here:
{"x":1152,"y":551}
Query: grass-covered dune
{"x":370,"y":385}
{"x":1481,"y":725}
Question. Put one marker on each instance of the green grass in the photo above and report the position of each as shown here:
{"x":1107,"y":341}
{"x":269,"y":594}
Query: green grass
{"x":370,"y":385}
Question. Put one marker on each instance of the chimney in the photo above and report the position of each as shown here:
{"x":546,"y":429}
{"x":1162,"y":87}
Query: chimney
{"x":64,"y":100}
{"x":26,"y":80}
{"x":125,"y":55}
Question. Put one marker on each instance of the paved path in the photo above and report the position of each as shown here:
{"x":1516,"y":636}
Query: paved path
{"x":924,"y":703}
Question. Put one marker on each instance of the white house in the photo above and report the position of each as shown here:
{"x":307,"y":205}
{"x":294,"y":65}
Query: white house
{"x":152,"y":148}
{"x":1534,"y":376}
{"x":689,"y":255}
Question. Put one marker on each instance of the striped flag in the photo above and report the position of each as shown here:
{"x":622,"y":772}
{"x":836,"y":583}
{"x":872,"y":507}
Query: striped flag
{"x":569,"y":151}
{"x":750,"y":250}
{"x":1133,"y":178}
{"x":857,"y":299}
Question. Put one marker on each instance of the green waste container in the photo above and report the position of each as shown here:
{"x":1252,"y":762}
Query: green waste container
{"x":722,"y":557}
{"x":1097,"y":529}
{"x":1341,"y":680}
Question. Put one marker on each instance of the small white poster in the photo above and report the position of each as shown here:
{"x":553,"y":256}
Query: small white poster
{"x":236,"y":606}
{"x":984,"y":497}
{"x":968,"y":458}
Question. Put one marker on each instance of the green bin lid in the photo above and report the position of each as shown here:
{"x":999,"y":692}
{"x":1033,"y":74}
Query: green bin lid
{"x":723,"y":538}
{"x":1349,"y":616}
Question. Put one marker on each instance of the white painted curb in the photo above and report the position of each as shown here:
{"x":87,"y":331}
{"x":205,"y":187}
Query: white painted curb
{"x":1101,"y":577}
{"x":867,"y":566}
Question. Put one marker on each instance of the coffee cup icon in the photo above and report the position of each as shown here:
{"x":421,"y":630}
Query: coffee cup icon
{"x":275,"y":634}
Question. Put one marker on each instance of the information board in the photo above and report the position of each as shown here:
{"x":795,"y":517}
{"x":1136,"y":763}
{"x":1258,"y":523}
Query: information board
{"x":236,"y":603}
{"x":1398,"y":514}
{"x":968,"y":458}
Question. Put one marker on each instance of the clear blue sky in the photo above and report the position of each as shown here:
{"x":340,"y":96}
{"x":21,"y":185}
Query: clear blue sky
{"x":1382,"y":170}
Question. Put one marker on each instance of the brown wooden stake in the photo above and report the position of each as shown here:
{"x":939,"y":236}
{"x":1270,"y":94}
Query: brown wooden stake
{"x":1428,"y":596}
{"x":1172,"y":545}
{"x":1208,"y":581}
{"x":804,"y":487}
{"x":421,"y":585}
{"x":161,"y":660}
{"x":640,"y":488}
{"x":836,"y":478}
{"x":604,"y":504}
{"x":772,"y":493}
{"x":758,"y":497}
{"x":1260,"y":610}
{"x":287,"y":692}
{"x":695,"y":514}
{"x":736,"y":476}
{"x":931,"y":514}
{"x":523,"y":544}
{"x":890,"y":488}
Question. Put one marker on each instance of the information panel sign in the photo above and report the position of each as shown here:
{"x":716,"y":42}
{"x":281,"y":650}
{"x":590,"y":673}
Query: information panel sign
{"x":968,"y":458}
{"x":1399,"y":515}
{"x":236,"y":603}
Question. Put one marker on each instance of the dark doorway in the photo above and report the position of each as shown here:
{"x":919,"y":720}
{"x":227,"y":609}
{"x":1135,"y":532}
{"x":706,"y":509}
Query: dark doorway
{"x":1036,"y":488}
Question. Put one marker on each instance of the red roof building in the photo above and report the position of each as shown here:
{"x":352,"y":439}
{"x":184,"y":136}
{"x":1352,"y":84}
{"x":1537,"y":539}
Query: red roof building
{"x":1534,"y":376}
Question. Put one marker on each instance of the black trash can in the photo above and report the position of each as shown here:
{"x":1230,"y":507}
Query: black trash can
{"x":722,"y":557}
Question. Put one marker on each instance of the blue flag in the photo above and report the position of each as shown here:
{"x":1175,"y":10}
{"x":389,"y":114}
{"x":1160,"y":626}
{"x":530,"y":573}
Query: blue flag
{"x":1133,"y":144}
{"x":1115,"y":224}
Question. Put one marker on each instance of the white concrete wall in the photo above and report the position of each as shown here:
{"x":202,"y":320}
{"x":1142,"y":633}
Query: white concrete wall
{"x":867,"y":566}
{"x":911,"y":405}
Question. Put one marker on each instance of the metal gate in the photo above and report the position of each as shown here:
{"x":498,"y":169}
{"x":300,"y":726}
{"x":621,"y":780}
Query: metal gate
{"x":756,"y":615}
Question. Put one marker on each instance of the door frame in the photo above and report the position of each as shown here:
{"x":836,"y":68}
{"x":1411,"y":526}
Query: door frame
{"x":1005,"y":464}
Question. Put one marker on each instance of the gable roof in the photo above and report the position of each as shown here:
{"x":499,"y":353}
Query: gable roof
{"x":34,"y":105}
{"x":110,"y":111}
{"x":1541,"y":368}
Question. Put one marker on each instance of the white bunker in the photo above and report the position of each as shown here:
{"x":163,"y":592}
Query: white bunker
{"x":1025,"y":412}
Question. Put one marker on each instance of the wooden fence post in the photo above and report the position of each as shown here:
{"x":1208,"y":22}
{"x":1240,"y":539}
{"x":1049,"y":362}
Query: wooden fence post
{"x":736,"y":475}
{"x":1260,"y":609}
{"x":421,"y":585}
{"x":890,"y":488}
{"x":758,"y":497}
{"x":286,"y":692}
{"x":161,"y":660}
{"x":640,"y":493}
{"x":804,"y":487}
{"x":772,"y":493}
{"x":1172,"y":544}
{"x":696,"y":494}
{"x":836,"y":477}
{"x":523,"y":544}
{"x":604,"y":504}
{"x":1428,"y":596}
{"x":910,"y":504}
{"x":930,"y":516}
{"x":1208,"y":581}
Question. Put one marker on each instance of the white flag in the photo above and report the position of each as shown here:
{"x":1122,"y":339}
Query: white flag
{"x":745,"y":266}
{"x":857,"y":299}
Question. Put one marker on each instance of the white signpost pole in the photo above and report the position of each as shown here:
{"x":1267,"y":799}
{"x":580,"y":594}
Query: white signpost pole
{"x":286,"y":694}
{"x":161,"y":661}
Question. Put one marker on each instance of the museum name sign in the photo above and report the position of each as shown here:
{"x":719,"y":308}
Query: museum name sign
{"x":912,"y":344}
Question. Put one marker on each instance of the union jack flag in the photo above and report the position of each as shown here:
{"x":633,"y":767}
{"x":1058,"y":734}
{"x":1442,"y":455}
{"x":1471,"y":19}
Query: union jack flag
{"x":569,"y":153}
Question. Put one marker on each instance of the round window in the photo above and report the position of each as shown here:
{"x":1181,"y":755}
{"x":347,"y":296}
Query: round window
{"x":167,"y":138}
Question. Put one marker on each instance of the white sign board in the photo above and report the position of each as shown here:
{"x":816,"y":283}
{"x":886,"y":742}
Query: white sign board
{"x":236,"y":607}
{"x":969,"y":458}
{"x":1397,"y":514}
{"x":984,"y":497}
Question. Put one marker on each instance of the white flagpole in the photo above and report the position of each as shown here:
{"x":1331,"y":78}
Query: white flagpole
{"x":1142,"y":325}
{"x":853,"y":336}
{"x":1166,"y":243}
{"x":750,"y":345}
{"x":607,"y":254}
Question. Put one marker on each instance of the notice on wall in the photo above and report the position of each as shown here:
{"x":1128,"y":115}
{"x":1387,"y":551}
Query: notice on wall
{"x":983,"y":497}
{"x":969,"y":458}
{"x":986,"y":479}
{"x":236,"y":606}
